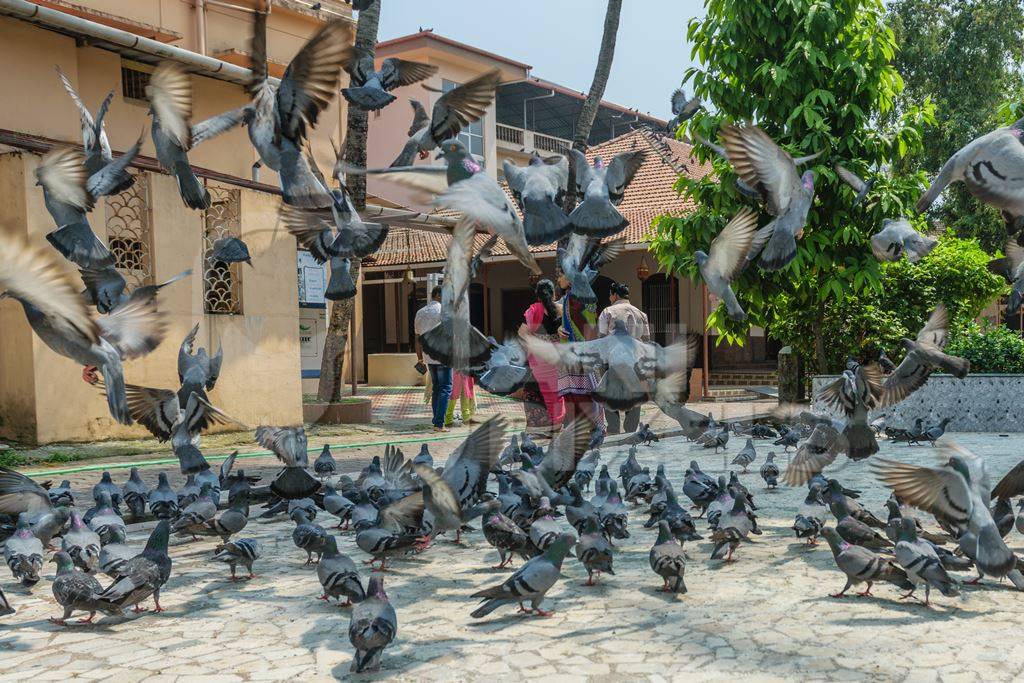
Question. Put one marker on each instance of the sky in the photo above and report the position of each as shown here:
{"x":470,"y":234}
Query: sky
{"x":560,"y":39}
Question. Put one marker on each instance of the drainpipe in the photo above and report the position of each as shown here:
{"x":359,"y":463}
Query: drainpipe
{"x":531,"y":99}
{"x":201,"y":26}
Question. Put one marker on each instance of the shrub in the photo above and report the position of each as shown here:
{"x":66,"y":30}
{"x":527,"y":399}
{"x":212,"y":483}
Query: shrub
{"x":990,"y":348}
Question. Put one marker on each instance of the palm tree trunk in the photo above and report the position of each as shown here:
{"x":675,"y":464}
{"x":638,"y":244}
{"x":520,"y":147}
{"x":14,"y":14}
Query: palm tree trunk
{"x":589,"y":111}
{"x":337,"y":340}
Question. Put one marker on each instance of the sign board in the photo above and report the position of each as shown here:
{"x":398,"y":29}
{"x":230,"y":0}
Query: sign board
{"x":312,"y":281}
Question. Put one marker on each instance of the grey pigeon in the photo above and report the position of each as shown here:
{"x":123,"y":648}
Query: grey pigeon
{"x":281,"y":114}
{"x":163,"y":501}
{"x":231,"y":521}
{"x":692,"y":423}
{"x":770,"y":471}
{"x":735,"y":525}
{"x":858,"y":390}
{"x":107,"y":523}
{"x":863,"y":566}
{"x":369,"y":87}
{"x":992,"y":168}
{"x":107,"y":485}
{"x":934,"y":432}
{"x":746,"y":455}
{"x":898,"y":238}
{"x":241,"y":551}
{"x":338,"y":575}
{"x":580,"y":259}
{"x":725,"y":259}
{"x":144,"y":575}
{"x":924,"y":355}
{"x":195,"y":515}
{"x":507,"y":537}
{"x":82,"y":544}
{"x":854,"y":531}
{"x":788,"y":196}
{"x":372,"y":627}
{"x":531,"y":582}
{"x":594,"y":551}
{"x":506,"y":370}
{"x":424,"y":457}
{"x":382,"y":544}
{"x":230,"y":250}
{"x":860,"y":186}
{"x":98,"y":155}
{"x":61,"y":495}
{"x":289,"y":445}
{"x":23,"y":553}
{"x":198,"y":371}
{"x":602,"y":188}
{"x":453,"y":111}
{"x":539,"y":189}
{"x":135,"y":494}
{"x":919,"y":559}
{"x":683,"y":109}
{"x":308,"y":535}
{"x":325,"y":465}
{"x":957,"y":494}
{"x":114,"y":557}
{"x":170,"y":98}
{"x":545,"y":529}
{"x":810,"y":516}
{"x":789,"y":438}
{"x":719,"y":439}
{"x":75,"y":590}
{"x":668,"y":560}
{"x":1013,"y":269}
{"x":58,"y":315}
{"x":339,"y":506}
{"x":442,"y":502}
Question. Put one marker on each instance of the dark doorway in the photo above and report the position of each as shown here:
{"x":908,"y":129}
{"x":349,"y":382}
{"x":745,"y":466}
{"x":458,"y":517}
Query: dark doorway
{"x":661,"y":304}
{"x":514,"y":303}
{"x":476,"y":305}
{"x":374,"y":330}
{"x":602,"y":287}
{"x":417,"y":300}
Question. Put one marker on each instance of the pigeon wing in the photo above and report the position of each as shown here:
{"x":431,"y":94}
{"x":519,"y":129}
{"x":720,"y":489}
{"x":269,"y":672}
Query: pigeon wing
{"x":728,"y":252}
{"x":396,"y":73}
{"x":938,"y":490}
{"x":762,"y":163}
{"x":170,"y":96}
{"x":287,"y":443}
{"x":463,"y":105}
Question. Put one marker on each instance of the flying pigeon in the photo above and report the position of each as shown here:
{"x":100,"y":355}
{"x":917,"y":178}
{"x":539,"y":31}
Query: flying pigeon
{"x":580,"y":259}
{"x":506,"y":370}
{"x":898,"y":238}
{"x":726,"y":259}
{"x":683,"y":109}
{"x":289,"y":445}
{"x":924,"y":355}
{"x":229,"y":249}
{"x":539,"y":189}
{"x":602,"y":187}
{"x":860,"y":186}
{"x":858,"y":390}
{"x":369,"y":87}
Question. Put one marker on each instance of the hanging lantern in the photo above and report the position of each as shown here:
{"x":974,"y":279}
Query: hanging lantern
{"x":642,"y":271}
{"x":409,"y":278}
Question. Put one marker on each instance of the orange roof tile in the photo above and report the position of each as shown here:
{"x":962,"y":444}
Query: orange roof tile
{"x":651,"y":194}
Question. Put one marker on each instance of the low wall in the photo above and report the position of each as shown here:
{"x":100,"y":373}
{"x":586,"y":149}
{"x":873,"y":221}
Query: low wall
{"x":977,"y":403}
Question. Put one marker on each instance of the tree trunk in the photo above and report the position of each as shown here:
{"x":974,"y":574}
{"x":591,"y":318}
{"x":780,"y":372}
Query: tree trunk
{"x":589,"y":111}
{"x":332,"y":370}
{"x":819,"y":340}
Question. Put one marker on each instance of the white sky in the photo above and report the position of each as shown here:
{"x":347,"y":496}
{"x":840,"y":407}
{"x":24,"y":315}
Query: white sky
{"x":560,"y":39}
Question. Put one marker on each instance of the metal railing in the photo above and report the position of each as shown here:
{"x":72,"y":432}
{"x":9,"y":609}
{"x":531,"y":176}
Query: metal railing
{"x":509,"y":134}
{"x":551,"y":144}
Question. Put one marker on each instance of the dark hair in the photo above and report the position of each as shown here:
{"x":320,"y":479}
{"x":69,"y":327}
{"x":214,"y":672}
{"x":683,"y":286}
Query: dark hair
{"x":545,"y":291}
{"x":620,"y":289}
{"x":435,"y":292}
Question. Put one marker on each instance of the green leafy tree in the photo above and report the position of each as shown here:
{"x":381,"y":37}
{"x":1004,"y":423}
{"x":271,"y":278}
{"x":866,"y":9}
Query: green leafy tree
{"x":815,"y":75}
{"x":965,"y":56}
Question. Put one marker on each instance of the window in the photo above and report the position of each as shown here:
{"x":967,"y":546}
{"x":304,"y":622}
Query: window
{"x":222,"y":282}
{"x":128,"y":232}
{"x":134,"y":79}
{"x":473,"y":135}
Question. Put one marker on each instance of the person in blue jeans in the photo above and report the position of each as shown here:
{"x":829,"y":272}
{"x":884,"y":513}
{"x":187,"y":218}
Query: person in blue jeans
{"x":427,"y":318}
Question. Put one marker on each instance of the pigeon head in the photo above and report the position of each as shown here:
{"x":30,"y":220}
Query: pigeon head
{"x":598,"y":162}
{"x":331,"y":546}
{"x":700,"y":257}
{"x":160,"y":537}
{"x":63,"y":562}
{"x":375,"y":588}
{"x":807,"y":180}
{"x":907,"y":530}
{"x":959,"y":465}
{"x":452,"y":150}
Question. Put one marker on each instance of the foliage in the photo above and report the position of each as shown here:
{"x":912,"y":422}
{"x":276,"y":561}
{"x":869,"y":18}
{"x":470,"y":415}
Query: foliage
{"x":815,"y":75}
{"x":990,"y":348}
{"x":964,"y":55}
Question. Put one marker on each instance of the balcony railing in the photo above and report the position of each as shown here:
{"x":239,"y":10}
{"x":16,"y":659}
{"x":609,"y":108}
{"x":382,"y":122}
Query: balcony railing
{"x":521,"y":140}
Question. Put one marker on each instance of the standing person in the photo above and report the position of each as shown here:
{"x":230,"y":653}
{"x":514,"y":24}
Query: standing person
{"x":636,"y":324}
{"x":462,"y":389}
{"x":544,"y":407}
{"x":579,"y":323}
{"x":427,"y":318}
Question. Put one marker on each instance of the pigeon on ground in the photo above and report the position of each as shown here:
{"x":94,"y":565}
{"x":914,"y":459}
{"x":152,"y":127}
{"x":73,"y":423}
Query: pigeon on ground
{"x":107,"y":485}
{"x":231,"y":521}
{"x":788,"y":438}
{"x":241,"y":551}
{"x":629,"y":468}
{"x":195,"y":516}
{"x":170,"y":98}
{"x":746,"y":455}
{"x":860,"y":186}
{"x":720,"y":439}
{"x":957,"y":494}
{"x":725,"y":259}
{"x":991,"y":168}
{"x":539,"y":189}
{"x":788,"y":196}
{"x":924,"y":356}
{"x":594,"y":551}
{"x":338,"y":575}
{"x":854,"y":531}
{"x":308,"y":535}
{"x":423,"y":457}
{"x":369,"y":87}
{"x":734,"y":525}
{"x":61,"y":495}
{"x":113,"y":558}
{"x":372,"y":627}
{"x":683,"y":109}
{"x":602,"y":187}
{"x":107,"y":523}
{"x":810,"y":517}
{"x":98,"y":155}
{"x":23,"y":553}
{"x":770,"y":471}
{"x":639,"y":486}
{"x":75,"y":590}
{"x":644,"y":434}
{"x":934,"y":432}
{"x":699,"y":487}
{"x":898,"y":238}
{"x":136,"y":495}
{"x":531,"y":582}
{"x":325,"y":466}
{"x":580,"y":259}
{"x":858,"y":390}
{"x":841,"y":502}
{"x":163,"y":501}
{"x":281,"y":114}
{"x":668,"y":560}
{"x":58,"y":315}
{"x":381,"y":544}
{"x":289,"y":445}
{"x":453,"y":111}
{"x":143,"y":575}
{"x":339,"y":506}
{"x":507,"y":537}
{"x":82,"y":544}
{"x":862,"y":565}
{"x":921,"y":563}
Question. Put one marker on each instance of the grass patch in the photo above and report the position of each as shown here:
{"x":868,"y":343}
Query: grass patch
{"x":12,"y":458}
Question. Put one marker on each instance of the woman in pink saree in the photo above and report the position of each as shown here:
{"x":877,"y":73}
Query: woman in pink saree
{"x":545,"y":409}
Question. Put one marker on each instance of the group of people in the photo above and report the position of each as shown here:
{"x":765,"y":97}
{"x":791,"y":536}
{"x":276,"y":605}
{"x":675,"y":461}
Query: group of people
{"x":551,"y":398}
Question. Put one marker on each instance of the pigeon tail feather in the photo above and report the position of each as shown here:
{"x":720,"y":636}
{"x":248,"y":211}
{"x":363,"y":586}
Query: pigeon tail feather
{"x":861,"y":440}
{"x":194,"y":194}
{"x":544,"y":222}
{"x":597,"y":218}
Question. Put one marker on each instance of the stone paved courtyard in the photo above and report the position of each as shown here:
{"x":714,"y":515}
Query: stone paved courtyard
{"x":765,"y":617}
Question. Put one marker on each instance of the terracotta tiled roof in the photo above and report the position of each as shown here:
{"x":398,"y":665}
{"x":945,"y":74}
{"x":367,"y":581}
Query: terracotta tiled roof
{"x":650,"y":195}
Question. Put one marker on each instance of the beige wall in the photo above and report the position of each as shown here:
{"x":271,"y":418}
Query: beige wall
{"x":42,"y":398}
